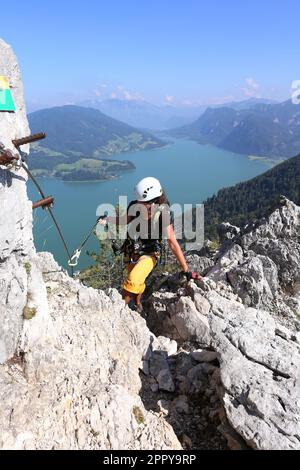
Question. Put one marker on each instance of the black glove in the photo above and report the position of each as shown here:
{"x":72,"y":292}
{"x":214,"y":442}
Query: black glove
{"x":192,"y":275}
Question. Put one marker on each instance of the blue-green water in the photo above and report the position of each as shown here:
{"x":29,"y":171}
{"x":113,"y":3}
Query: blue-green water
{"x":188,"y":171}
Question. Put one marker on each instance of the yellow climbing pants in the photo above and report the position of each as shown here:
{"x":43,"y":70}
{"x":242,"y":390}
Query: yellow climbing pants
{"x":138,"y":272}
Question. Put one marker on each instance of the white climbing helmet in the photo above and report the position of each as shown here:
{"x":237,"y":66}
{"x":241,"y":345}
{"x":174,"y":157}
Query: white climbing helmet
{"x":147,"y":189}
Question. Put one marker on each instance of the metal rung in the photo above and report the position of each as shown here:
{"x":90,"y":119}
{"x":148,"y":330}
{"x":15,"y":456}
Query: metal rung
{"x":44,"y":203}
{"x":29,"y":139}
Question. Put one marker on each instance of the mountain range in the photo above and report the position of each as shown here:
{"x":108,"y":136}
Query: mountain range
{"x":76,"y":133}
{"x":74,"y":130}
{"x":141,"y":114}
{"x":271,"y":130}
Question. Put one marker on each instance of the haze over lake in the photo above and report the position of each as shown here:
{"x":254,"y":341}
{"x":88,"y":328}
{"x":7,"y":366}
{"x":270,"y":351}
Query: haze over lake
{"x":189,"y":172}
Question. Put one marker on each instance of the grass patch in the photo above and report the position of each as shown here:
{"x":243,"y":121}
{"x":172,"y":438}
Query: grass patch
{"x":27,"y":267}
{"x":29,"y":313}
{"x":137,"y":412}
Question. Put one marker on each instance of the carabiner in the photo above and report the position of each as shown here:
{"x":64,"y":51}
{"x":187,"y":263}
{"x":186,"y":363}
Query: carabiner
{"x":74,"y":260}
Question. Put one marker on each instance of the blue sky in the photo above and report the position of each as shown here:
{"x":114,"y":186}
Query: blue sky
{"x":183,"y":52}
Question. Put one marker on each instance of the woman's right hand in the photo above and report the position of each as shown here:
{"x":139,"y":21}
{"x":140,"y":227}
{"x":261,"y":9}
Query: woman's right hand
{"x":102,"y":220}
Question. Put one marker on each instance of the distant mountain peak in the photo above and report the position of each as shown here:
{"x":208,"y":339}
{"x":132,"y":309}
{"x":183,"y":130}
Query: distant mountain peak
{"x":74,"y":130}
{"x":263,"y":129}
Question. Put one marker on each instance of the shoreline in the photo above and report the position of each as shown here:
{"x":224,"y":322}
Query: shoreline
{"x":77,"y":181}
{"x":272,"y":161}
{"x":88,"y":181}
{"x":102,"y":180}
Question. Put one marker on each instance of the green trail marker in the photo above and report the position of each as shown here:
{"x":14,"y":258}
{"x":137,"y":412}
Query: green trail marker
{"x":6,"y":99}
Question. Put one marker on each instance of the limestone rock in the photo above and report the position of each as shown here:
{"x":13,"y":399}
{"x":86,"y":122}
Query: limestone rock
{"x":259,"y":373}
{"x":201,"y":304}
{"x":227,"y":231}
{"x":164,"y":344}
{"x":189,"y":323}
{"x":81,"y":385}
{"x":159,"y":368}
{"x":16,"y":244}
{"x":277,"y":237}
{"x":178,"y":317}
{"x":200,"y":264}
{"x":255,"y":280}
{"x":13,"y":125}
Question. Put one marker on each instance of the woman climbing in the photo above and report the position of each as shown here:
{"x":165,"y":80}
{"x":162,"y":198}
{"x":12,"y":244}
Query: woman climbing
{"x":149,"y":223}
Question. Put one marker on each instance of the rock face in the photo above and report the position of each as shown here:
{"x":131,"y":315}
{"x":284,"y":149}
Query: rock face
{"x":80,"y":388}
{"x":16,"y":246}
{"x":259,"y":356}
{"x":70,"y":357}
{"x":227,"y":231}
{"x":252,"y":321}
{"x":13,"y":125}
{"x":178,"y":317}
{"x":260,"y":372}
{"x":262,"y":263}
{"x":278,"y":238}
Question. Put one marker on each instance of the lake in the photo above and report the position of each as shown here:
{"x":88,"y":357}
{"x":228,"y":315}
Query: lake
{"x":189,"y":172}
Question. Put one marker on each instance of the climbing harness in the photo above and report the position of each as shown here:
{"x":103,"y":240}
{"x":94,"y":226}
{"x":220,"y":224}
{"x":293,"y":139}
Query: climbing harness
{"x":134,"y":248}
{"x":128,"y":248}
